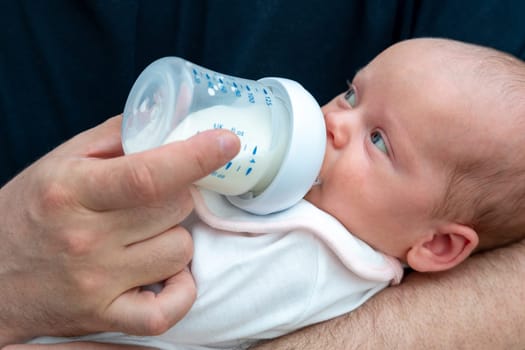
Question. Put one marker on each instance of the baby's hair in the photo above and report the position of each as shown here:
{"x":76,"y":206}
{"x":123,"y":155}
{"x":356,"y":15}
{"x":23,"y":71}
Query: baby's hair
{"x":489,"y":194}
{"x":489,"y":199}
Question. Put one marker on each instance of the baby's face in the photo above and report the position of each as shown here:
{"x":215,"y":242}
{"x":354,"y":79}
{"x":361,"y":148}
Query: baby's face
{"x":392,"y":140}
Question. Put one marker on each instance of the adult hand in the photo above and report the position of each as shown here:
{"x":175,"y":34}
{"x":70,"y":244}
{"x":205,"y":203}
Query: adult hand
{"x":84,"y":227}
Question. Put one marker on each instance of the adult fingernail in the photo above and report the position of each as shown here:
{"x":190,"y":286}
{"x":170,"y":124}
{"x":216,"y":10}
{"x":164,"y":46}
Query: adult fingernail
{"x":229,"y":144}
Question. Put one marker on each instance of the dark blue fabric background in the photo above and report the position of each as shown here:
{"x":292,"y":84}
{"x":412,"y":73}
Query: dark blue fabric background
{"x":68,"y":65}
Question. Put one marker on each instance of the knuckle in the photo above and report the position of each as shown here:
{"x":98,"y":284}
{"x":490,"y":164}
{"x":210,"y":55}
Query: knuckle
{"x":192,"y":295}
{"x":79,"y":244}
{"x":142,"y":182}
{"x":157,"y":324}
{"x":54,"y":198}
{"x":184,"y":244}
{"x":174,"y":252}
{"x":199,"y":163}
{"x":88,"y":282}
{"x":187,"y":249}
{"x":180,"y":205}
{"x":203,"y":161}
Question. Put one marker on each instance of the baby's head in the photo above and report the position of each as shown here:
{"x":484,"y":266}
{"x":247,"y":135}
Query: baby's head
{"x":425,"y":156}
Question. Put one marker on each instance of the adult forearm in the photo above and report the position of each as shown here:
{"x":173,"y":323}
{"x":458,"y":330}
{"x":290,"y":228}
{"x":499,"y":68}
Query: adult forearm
{"x":478,"y":305}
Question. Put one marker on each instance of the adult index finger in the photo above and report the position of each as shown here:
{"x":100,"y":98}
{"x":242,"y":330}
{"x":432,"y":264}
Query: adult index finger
{"x":153,"y":176}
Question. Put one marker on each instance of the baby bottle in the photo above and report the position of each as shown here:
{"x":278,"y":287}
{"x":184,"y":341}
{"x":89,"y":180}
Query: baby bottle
{"x":279,"y":124}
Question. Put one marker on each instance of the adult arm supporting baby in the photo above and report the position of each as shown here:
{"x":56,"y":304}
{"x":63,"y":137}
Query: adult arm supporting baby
{"x":474,"y":297}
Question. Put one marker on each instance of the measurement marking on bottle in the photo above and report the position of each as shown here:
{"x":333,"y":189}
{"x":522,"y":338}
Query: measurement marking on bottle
{"x":196,"y":76}
{"x":248,"y":171}
{"x":228,"y":165}
{"x":218,"y":175}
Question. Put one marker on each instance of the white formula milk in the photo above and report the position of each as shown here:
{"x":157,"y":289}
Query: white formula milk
{"x":255,"y":166}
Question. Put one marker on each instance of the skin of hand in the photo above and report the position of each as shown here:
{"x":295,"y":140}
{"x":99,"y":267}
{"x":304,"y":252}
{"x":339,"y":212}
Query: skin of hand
{"x":84,"y":227}
{"x":477,"y":305}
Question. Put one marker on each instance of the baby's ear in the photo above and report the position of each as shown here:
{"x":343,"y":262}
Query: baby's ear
{"x":447,"y":247}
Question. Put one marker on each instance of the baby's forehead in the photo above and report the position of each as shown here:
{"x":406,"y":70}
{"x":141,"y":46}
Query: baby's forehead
{"x":464,"y":105}
{"x":447,"y":56}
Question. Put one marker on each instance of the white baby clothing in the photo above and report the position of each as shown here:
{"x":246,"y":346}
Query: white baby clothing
{"x":260,"y":277}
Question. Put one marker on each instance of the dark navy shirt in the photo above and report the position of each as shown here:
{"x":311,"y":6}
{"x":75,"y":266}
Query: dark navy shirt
{"x":67,"y":65}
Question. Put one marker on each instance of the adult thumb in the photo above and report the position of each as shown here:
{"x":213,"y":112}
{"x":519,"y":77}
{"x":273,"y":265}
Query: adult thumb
{"x":158,"y":173}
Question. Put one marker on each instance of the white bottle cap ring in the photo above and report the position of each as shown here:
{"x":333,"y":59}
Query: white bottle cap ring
{"x":304,"y":157}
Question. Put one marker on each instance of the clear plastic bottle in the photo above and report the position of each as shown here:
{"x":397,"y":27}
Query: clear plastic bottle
{"x":279,"y":124}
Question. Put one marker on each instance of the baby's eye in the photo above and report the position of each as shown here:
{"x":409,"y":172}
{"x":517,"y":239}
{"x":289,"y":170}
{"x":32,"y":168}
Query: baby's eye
{"x":377,"y":139}
{"x":351,"y":95}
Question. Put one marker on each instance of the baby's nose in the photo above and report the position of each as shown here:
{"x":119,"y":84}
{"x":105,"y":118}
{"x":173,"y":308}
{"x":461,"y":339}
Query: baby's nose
{"x":337,"y":128}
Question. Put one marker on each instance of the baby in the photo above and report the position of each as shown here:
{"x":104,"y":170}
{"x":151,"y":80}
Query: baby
{"x":421,"y":162}
{"x":421,"y":169}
